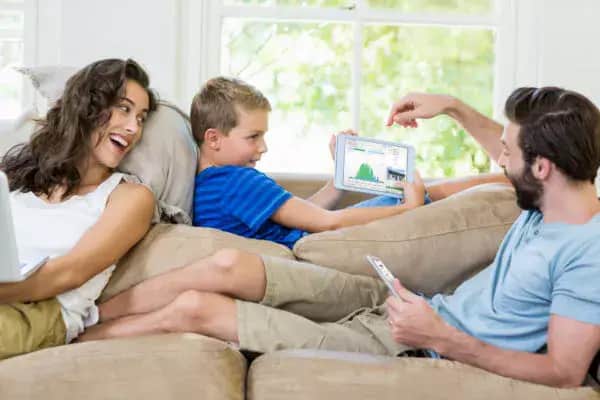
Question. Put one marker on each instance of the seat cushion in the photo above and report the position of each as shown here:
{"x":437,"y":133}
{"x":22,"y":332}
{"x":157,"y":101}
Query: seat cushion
{"x":169,"y":246}
{"x":302,"y":374}
{"x":430,"y":249}
{"x":177,"y":367}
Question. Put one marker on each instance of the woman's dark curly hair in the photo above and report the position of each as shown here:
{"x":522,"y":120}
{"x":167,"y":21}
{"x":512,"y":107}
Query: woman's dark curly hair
{"x":63,"y":140}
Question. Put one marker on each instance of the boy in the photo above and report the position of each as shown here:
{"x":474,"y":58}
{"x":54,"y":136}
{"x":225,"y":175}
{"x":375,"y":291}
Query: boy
{"x":229,"y":122}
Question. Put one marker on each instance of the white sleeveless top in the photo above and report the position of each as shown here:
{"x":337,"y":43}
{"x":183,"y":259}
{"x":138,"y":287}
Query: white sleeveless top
{"x":52,"y":229}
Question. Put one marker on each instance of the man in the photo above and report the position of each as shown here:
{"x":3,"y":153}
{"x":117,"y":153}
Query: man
{"x":540,"y":292}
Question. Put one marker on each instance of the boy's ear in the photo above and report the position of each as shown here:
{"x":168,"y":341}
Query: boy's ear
{"x":212,"y":138}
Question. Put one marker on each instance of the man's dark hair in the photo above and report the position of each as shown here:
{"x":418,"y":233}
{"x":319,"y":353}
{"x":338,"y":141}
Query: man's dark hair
{"x":560,"y":125}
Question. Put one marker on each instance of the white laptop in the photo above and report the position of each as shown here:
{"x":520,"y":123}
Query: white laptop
{"x":11,"y":270}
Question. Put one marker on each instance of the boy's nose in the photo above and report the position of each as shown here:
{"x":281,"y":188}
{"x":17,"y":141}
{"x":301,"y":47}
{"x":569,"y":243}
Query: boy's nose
{"x":263,"y":147}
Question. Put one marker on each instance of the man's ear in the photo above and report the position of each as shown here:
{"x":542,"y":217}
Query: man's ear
{"x":541,"y":168}
{"x":212,"y":138}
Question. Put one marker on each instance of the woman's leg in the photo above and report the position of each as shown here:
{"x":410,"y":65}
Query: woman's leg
{"x":191,"y":311}
{"x":442,"y":188}
{"x":254,"y":326}
{"x":233,"y":272}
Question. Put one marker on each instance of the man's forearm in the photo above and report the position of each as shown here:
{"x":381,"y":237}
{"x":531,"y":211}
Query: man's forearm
{"x":483,"y":129}
{"x":521,"y":365}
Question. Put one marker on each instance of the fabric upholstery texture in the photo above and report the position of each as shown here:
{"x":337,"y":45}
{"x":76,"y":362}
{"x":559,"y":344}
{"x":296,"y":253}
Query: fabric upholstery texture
{"x":181,"y":367}
{"x":430,"y":249}
{"x":305,"y":374}
{"x":169,"y":246}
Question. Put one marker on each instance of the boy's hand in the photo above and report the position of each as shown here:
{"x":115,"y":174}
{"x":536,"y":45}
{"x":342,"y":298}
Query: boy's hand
{"x":414,"y":193}
{"x":418,"y":105}
{"x":333,"y":140}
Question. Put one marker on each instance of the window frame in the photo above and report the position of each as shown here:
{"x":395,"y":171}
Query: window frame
{"x":502,"y":20}
{"x":28,"y":36}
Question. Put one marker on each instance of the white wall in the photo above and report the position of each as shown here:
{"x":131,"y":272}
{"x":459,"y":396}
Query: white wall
{"x":553,"y":41}
{"x":77,"y":32}
{"x":556,"y":45}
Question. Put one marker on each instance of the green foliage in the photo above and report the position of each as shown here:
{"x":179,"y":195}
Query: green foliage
{"x":306,"y":69}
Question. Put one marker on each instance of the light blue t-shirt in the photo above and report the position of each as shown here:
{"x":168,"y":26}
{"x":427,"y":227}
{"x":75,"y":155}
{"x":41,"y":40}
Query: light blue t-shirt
{"x":540,"y":269}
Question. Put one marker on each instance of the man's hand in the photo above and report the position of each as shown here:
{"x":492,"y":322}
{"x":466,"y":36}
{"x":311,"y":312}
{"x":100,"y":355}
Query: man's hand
{"x":418,"y":105}
{"x":333,"y":140}
{"x":414,"y":193}
{"x":413,"y":322}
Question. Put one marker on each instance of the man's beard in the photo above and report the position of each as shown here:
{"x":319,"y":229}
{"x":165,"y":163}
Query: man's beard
{"x":528,"y":189}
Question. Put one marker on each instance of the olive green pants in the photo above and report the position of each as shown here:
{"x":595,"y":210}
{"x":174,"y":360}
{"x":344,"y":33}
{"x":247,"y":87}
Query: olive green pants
{"x":26,"y":327}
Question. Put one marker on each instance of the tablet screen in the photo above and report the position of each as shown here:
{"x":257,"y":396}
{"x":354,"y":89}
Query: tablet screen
{"x":374,"y":166}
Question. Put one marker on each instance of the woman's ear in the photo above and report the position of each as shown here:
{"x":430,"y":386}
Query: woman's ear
{"x":212,"y":137}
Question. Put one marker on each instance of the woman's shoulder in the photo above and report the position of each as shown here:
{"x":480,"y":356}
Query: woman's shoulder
{"x":132,"y":192}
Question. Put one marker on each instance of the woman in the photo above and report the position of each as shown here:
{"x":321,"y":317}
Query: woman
{"x":70,"y":204}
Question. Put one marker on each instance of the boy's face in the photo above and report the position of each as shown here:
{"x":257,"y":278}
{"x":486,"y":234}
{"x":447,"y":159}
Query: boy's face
{"x":245,"y":143}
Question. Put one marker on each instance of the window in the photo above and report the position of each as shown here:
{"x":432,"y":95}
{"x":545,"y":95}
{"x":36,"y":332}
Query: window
{"x":329,"y":65}
{"x":12,"y":32}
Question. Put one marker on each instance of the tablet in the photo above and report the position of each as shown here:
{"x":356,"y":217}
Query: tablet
{"x":372,"y":166}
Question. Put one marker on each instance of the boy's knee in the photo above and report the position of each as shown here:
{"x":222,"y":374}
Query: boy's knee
{"x":225,"y":260}
{"x":188,"y":310}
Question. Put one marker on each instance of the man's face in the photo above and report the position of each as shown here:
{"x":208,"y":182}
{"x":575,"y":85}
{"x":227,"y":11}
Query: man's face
{"x":245,"y":143}
{"x":528,"y":188}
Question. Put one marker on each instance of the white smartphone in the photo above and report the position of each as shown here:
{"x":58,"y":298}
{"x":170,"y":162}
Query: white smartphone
{"x":384,"y":273}
{"x":372,"y":166}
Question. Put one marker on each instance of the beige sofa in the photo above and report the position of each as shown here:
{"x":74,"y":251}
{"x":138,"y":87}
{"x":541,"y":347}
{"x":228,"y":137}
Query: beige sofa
{"x":430,"y":249}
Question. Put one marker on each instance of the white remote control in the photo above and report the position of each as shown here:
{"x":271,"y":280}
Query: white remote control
{"x":384,"y":273}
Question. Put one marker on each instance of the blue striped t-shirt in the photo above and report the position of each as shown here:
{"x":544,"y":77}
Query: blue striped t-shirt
{"x":241,"y":200}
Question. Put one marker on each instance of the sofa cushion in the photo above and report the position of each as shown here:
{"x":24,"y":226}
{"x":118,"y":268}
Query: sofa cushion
{"x":430,"y":249}
{"x":177,"y":367}
{"x":170,"y":246}
{"x":305,"y":374}
{"x":165,"y":159}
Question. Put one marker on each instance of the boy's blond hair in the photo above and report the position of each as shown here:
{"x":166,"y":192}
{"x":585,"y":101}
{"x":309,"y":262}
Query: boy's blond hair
{"x":215,"y":105}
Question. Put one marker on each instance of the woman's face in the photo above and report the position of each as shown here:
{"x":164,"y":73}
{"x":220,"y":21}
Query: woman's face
{"x":112,"y":142}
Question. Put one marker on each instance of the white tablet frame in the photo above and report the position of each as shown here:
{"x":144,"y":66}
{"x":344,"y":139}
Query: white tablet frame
{"x":340,"y":161}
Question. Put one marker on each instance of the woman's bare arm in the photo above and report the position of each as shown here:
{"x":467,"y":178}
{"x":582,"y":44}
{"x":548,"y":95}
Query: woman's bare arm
{"x":125,"y":220}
